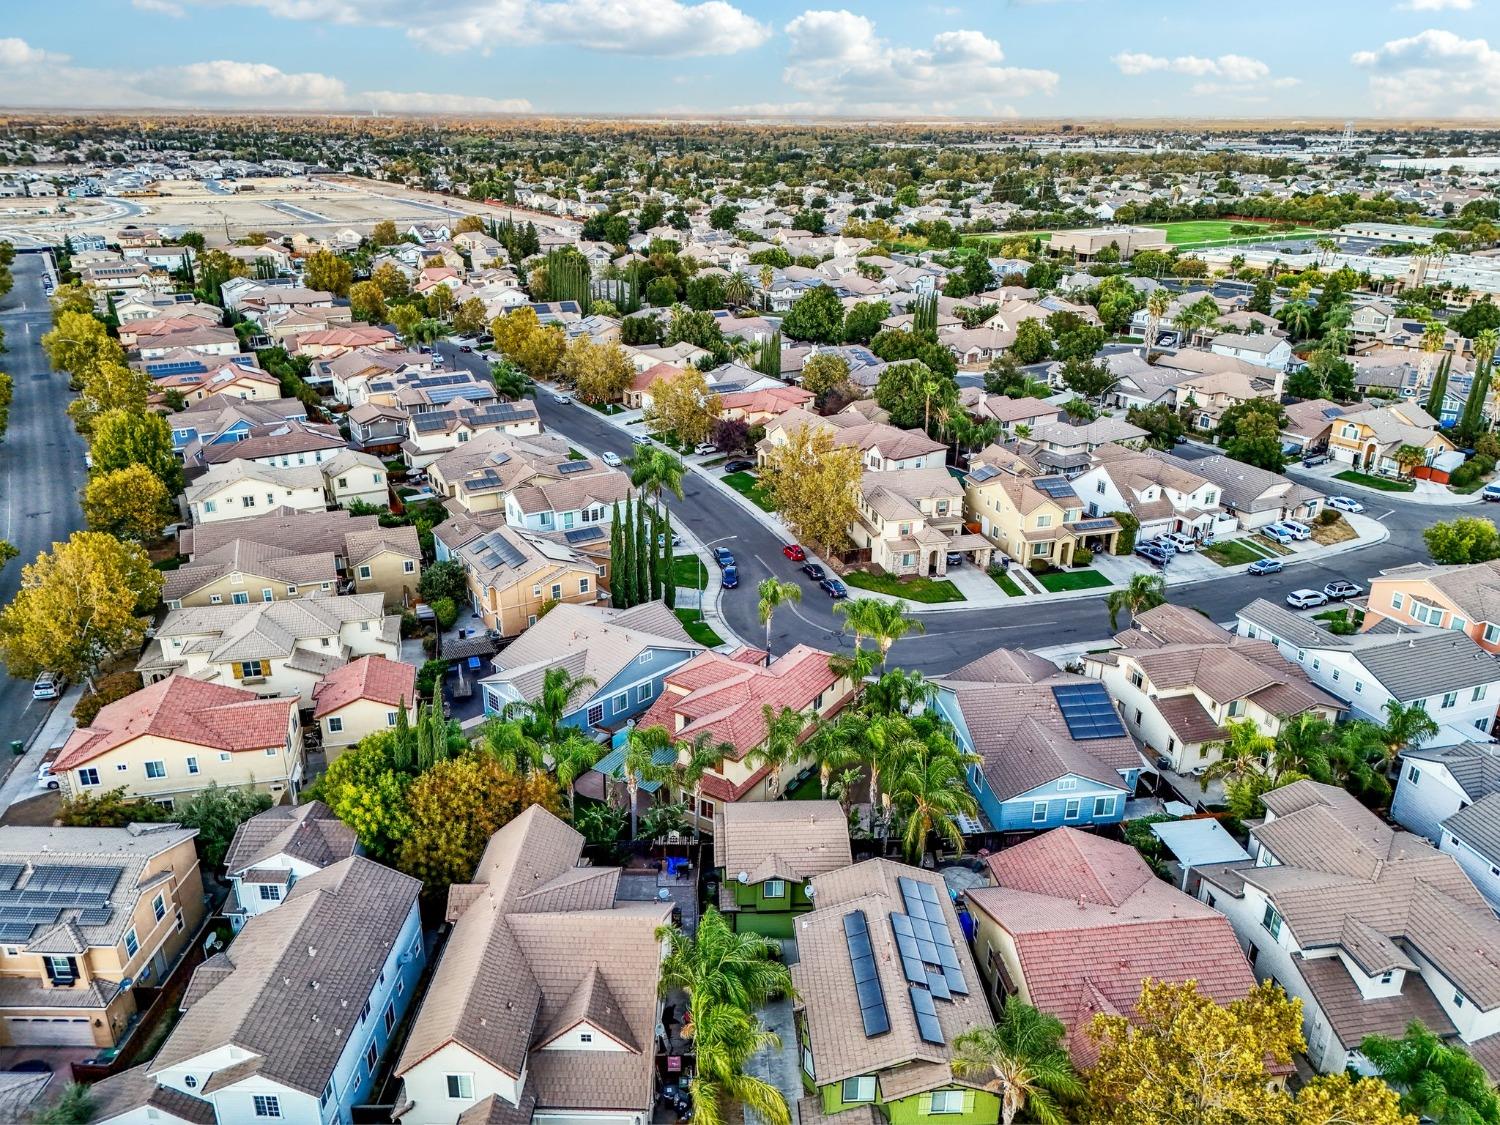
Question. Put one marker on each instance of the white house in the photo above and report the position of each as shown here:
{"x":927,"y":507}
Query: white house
{"x":1451,"y":796}
{"x":274,"y":849}
{"x":1261,"y":349}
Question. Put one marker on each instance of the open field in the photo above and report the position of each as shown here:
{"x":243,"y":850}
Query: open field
{"x":1190,"y":234}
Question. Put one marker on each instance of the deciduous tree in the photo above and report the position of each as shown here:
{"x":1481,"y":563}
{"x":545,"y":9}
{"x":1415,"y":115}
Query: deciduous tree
{"x":599,"y":372}
{"x":1467,"y":539}
{"x":366,"y":790}
{"x":817,"y":315}
{"x":468,"y":318}
{"x":327,"y":271}
{"x":683,"y":405}
{"x":814,"y":485}
{"x":80,"y":343}
{"x":108,"y":386}
{"x":385,"y":233}
{"x":122,"y":438}
{"x":367,"y":302}
{"x":129,"y":503}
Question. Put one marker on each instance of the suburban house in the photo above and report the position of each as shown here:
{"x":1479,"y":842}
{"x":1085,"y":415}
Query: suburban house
{"x":537,"y":485}
{"x":325,"y":343}
{"x":513,"y":573}
{"x":242,"y":571}
{"x":882,"y":447}
{"x":275,"y":848}
{"x":1052,"y":749}
{"x":385,"y":561}
{"x":292,"y":1019}
{"x":242,"y":488}
{"x":352,"y":476}
{"x":1310,"y":421}
{"x":886,"y":984}
{"x":121,"y":905}
{"x":363,"y":697}
{"x":434,"y":433}
{"x":1257,"y":497}
{"x":723,"y":697}
{"x":1031,"y":518}
{"x":1369,"y":927}
{"x":758,"y":407}
{"x":221,"y":419}
{"x":1442,"y":670}
{"x":282,"y":444}
{"x":1370,"y":439}
{"x":1065,"y":448}
{"x":544,"y":1004}
{"x":178,"y":735}
{"x":1075,"y":924}
{"x":1207,"y":396}
{"x":1465,"y":598}
{"x":910,"y":520}
{"x":278,"y":648}
{"x":626,"y":654}
{"x":766,"y":853}
{"x":1451,"y":796}
{"x":1262,"y":348}
{"x":1017,"y":417}
{"x":1160,"y":491}
{"x":1179,"y":696}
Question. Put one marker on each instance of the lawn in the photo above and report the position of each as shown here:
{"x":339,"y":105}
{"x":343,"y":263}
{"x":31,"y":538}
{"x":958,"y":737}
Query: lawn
{"x":1381,"y":484}
{"x":688,"y":570}
{"x":1058,"y":581}
{"x":917,"y":588}
{"x":697,"y":628}
{"x":1210,"y":232}
{"x":1231,"y":552}
{"x":749,"y":486}
{"x":1008,"y":584}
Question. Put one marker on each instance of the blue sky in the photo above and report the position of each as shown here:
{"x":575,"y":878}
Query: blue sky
{"x":1111,"y":58}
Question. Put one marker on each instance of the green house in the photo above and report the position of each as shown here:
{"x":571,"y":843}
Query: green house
{"x":767,"y":851}
{"x":887,"y":984}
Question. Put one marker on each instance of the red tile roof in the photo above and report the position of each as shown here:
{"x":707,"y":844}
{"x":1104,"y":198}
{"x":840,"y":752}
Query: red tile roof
{"x":187,"y":710}
{"x":370,"y":677}
{"x":643,"y":381}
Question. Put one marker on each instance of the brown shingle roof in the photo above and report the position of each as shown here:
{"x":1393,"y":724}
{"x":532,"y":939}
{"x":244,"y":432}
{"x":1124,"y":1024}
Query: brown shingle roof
{"x":781,"y":839}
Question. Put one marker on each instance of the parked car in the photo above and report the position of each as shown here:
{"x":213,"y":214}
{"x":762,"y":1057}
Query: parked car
{"x":723,"y":556}
{"x":1313,"y":460}
{"x":730,"y":578}
{"x":704,"y":448}
{"x":738,"y":466}
{"x":45,"y":778}
{"x":1278,"y":534}
{"x":49,"y":685}
{"x":611,"y":458}
{"x":834,"y":588}
{"x":1305,"y":599}
{"x":794,"y":552}
{"x":1345,"y":504}
{"x":1338,"y":591}
{"x":465,"y":348}
{"x":661,"y":539}
{"x":1266,"y":566}
{"x":1300,"y":531}
{"x":1152,"y":553}
{"x":641,"y":439}
{"x":1184,"y":543}
{"x":955,"y":558}
{"x":1491,"y":494}
{"x":560,"y":398}
{"x":814,"y":571}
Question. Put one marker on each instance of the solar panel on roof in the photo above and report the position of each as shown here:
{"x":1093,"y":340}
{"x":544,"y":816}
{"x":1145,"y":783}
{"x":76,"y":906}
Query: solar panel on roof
{"x":584,"y":535}
{"x":923,"y":1008}
{"x":984,"y":473}
{"x":869,"y":992}
{"x":496,"y":550}
{"x":1094,"y":524}
{"x":937,"y":984}
{"x":573,"y":467}
{"x":1053,"y":486}
{"x":1088,"y":711}
{"x":9,"y":873}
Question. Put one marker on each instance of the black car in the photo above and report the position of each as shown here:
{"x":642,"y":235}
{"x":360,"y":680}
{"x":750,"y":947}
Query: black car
{"x":723,"y":557}
{"x":738,"y":466}
{"x":834,"y":588}
{"x":814,"y":571}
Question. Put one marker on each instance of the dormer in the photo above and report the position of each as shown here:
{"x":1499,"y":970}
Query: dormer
{"x":1376,"y":964}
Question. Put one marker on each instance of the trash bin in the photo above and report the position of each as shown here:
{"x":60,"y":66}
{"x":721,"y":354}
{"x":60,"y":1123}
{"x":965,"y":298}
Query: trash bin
{"x":17,"y":747}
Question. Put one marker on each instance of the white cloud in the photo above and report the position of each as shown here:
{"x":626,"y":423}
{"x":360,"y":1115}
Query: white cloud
{"x":1434,"y":72}
{"x":1435,"y":6}
{"x":838,"y":60}
{"x":159,"y":7}
{"x":1231,"y":68}
{"x":33,"y":77}
{"x":663,"y":27}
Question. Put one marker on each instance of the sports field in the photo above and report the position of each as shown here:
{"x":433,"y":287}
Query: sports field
{"x":1195,"y":233}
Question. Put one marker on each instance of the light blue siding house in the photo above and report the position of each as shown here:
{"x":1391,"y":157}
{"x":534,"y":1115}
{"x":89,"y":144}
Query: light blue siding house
{"x":1053,"y":751}
{"x":624,"y":654}
{"x":1451,"y":795}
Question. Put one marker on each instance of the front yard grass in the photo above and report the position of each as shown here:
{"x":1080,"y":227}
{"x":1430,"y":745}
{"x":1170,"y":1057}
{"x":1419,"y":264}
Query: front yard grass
{"x":1271,"y":547}
{"x":697,"y":628}
{"x":1231,"y":552}
{"x":1381,"y":484}
{"x":749,"y":486}
{"x":917,"y":588}
{"x":1007,"y":583}
{"x":1057,"y":581}
{"x":688,"y":570}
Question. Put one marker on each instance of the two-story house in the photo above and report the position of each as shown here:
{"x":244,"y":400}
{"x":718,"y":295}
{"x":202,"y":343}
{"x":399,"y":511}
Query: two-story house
{"x":242,"y":571}
{"x":910,"y":520}
{"x":1033,"y":519}
{"x":623,"y":654}
{"x":434,"y":433}
{"x":1160,"y":491}
{"x":1064,"y":448}
{"x":887,"y":984}
{"x":513,"y":574}
{"x":534,"y":481}
{"x":1262,"y":349}
{"x":882,"y":447}
{"x":90,"y":912}
{"x":767,"y":852}
{"x":223,"y":420}
{"x":1371,"y":928}
{"x":364,"y":697}
{"x":1463,"y":598}
{"x":242,"y":488}
{"x":1370,"y":439}
{"x":1256,"y":497}
{"x":1441,"y":670}
{"x":272,"y":445}
{"x":1451,"y":796}
{"x":178,"y":735}
{"x":544,"y":1005}
{"x":277,"y":648}
{"x":275,"y":848}
{"x":1052,"y":749}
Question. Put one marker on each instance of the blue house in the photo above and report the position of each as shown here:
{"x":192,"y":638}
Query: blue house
{"x":1053,"y":751}
{"x":220,"y":420}
{"x":624,"y":654}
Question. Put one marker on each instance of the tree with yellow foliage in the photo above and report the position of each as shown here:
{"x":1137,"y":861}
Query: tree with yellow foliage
{"x":89,"y":600}
{"x":536,"y":348}
{"x":683,"y":405}
{"x":599,"y":372}
{"x":390,"y":280}
{"x":327,"y":271}
{"x":108,"y":386}
{"x":814,"y":485}
{"x":439,"y":301}
{"x":367,"y":302}
{"x":72,"y":297}
{"x":385,"y":233}
{"x":469,"y":224}
{"x":130,"y":503}
{"x":80,"y":343}
{"x":468,"y":318}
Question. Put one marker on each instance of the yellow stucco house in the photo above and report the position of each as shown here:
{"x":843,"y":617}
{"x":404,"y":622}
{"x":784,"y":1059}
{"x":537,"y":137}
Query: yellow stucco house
{"x":1369,"y":440}
{"x":1035,"y":520}
{"x":363,"y":697}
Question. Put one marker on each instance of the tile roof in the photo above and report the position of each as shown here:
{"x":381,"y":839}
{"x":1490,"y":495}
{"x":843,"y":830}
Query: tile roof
{"x":370,"y":677}
{"x":183,"y":710}
{"x":780,"y":839}
{"x":1353,"y":1017}
{"x":258,"y":561}
{"x":308,"y":832}
{"x":291,"y":530}
{"x":1475,"y":766}
{"x":133,"y":1089}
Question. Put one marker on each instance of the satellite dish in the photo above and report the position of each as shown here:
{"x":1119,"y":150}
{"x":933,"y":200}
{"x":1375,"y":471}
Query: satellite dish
{"x":812,"y":891}
{"x":743,"y":876}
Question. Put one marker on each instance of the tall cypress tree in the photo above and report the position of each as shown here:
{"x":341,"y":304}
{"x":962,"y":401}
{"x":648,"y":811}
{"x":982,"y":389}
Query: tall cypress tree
{"x":625,"y":575}
{"x":616,"y":553}
{"x":1473,"y":416}
{"x":642,"y":553}
{"x":1439,"y":387}
{"x":668,"y":582}
{"x":662,"y":568}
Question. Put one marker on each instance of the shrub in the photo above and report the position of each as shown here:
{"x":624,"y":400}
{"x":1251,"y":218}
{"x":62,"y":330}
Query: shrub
{"x":1083,"y":557}
{"x":430,"y":676}
{"x":116,"y":685}
{"x":1129,"y":525}
{"x":445,"y":612}
{"x":1328,"y":517}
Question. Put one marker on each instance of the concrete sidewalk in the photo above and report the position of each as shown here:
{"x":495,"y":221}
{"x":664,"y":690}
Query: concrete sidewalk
{"x":55,"y":730}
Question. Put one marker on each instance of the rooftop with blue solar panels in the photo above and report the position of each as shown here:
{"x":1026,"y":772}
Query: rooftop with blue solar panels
{"x":1088,"y":711}
{"x":27,"y":902}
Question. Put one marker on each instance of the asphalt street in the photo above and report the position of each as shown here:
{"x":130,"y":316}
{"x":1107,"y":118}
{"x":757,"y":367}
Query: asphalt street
{"x":41,"y":465}
{"x":954,"y":637}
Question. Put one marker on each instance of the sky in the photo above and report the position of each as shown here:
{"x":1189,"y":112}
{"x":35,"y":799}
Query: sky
{"x":903,"y":58}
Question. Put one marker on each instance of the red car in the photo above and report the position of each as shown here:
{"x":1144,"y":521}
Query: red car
{"x":794,"y":552}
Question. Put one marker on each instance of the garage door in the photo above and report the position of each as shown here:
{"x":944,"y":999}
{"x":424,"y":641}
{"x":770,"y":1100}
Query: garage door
{"x":33,"y":1030}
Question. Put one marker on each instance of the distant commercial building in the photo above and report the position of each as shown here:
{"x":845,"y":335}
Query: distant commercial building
{"x":1085,"y":245}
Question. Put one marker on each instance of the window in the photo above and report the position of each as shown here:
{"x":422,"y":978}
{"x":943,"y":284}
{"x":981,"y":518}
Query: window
{"x":270,"y":892}
{"x":327,"y":1094}
{"x":364,"y":572}
{"x":1271,"y":920}
{"x":335,"y":724}
{"x":89,"y":776}
{"x":596,"y":714}
{"x":224,"y":755}
{"x":1398,"y":599}
{"x":267,"y":1105}
{"x":461,"y":1086}
{"x":642,"y":692}
{"x":1317,"y":663}
{"x":774,"y":888}
{"x":372,"y":1056}
{"x":583,"y":585}
{"x":156,"y":769}
{"x":585,"y":1037}
{"x":1479,"y":693}
{"x":1072,"y":809}
{"x":132,"y":942}
{"x":1336,"y":675}
{"x":620,"y":702}
{"x":1458,"y":999}
{"x":271,"y":751}
{"x":860,"y":1089}
{"x":1413,"y":774}
{"x":159,"y":907}
{"x":1450,"y":699}
{"x":1038,"y":811}
{"x":267,"y":594}
{"x":62,"y":971}
{"x":400,"y":986}
{"x":1359,"y":687}
{"x":192,"y":765}
{"x":1066,"y":783}
{"x":1044,"y":521}
{"x":210,"y":506}
{"x":1386,"y":977}
{"x":390,"y":718}
{"x":215,"y":599}
{"x":1457,"y":624}
{"x":389,"y":1018}
{"x":1104,"y":806}
{"x":364,"y":1012}
{"x":249,"y":502}
{"x":408,"y":567}
{"x":1481,"y":724}
{"x":947,"y":1101}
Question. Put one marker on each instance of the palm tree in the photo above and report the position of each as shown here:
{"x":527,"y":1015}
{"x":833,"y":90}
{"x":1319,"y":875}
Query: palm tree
{"x":573,"y":757}
{"x":836,"y":746}
{"x":1437,"y":1081}
{"x":886,"y":621}
{"x":1146,"y":591}
{"x":695,"y":760}
{"x":929,"y":791}
{"x":773,"y":593}
{"x":509,"y":744}
{"x":724,"y":1039}
{"x":510,"y":381}
{"x":655,"y":470}
{"x":890,"y":742}
{"x":1296,"y":318}
{"x":1404,"y":726}
{"x":737,"y":292}
{"x":1021,"y":1059}
{"x":899,"y":692}
{"x":542,"y":717}
{"x":782,"y":744}
{"x":1245,"y":753}
{"x":1434,"y":335}
{"x":1156,"y":307}
{"x":640,"y":764}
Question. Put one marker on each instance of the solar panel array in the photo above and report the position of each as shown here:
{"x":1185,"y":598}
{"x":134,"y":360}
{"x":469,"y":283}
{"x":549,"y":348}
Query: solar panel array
{"x":1087,"y":710}
{"x":1055,"y":487}
{"x":497,"y":551}
{"x":1094,"y":524}
{"x":483,"y":481}
{"x":984,"y":473}
{"x":48,"y":892}
{"x":925,"y":1010}
{"x":584,"y":534}
{"x":573,"y":467}
{"x":867,"y":986}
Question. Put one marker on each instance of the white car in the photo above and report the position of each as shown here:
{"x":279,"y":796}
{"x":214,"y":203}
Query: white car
{"x":610,"y":458}
{"x":49,"y":685}
{"x":1299,"y":530}
{"x":1345,"y":504}
{"x":1183,"y":543}
{"x":560,"y":398}
{"x":45,"y":778}
{"x":704,"y":448}
{"x":1278,"y":534}
{"x":1306,"y":599}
